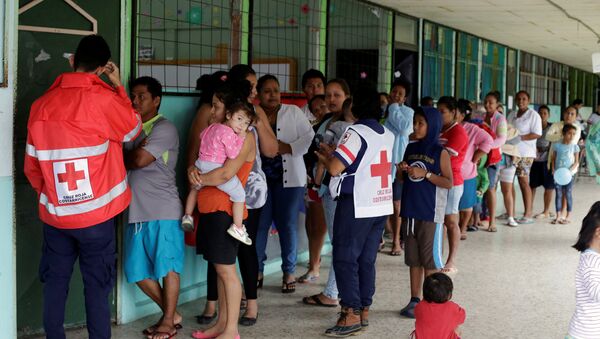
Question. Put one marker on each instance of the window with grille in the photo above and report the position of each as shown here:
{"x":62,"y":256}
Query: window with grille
{"x":493,"y":59}
{"x":526,"y":82}
{"x":511,"y":72}
{"x":467,"y":67}
{"x":178,"y":41}
{"x":358,"y":42}
{"x":554,"y":74}
{"x":287,"y":39}
{"x":438,"y":60}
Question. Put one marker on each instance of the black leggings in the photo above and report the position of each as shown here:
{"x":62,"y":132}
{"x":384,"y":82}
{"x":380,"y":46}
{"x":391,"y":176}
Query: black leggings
{"x":247,"y":259}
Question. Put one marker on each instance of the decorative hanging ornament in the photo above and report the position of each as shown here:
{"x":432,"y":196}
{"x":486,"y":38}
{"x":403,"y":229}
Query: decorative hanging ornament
{"x":363,"y":75}
{"x":292,"y":21}
{"x":305,"y":9}
{"x":195,"y":15}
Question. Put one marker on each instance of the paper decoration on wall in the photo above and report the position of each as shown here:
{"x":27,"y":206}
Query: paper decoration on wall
{"x":43,"y":56}
{"x":280,"y":22}
{"x":363,"y":75}
{"x":331,"y":9}
{"x":195,"y":15}
{"x":179,"y":12}
{"x":305,"y":9}
{"x":216,"y":9}
{"x":74,"y":6}
{"x":292,"y":21}
{"x":216,"y":22}
{"x":156,"y":22}
{"x":397,"y":74}
{"x":145,"y":53}
{"x":376,"y":12}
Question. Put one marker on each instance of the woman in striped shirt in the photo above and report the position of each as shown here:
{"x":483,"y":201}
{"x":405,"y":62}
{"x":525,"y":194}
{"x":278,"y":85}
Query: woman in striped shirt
{"x":585,"y":323}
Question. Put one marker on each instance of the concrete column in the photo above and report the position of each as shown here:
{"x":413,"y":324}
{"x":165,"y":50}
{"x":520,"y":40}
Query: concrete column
{"x":8,"y":265}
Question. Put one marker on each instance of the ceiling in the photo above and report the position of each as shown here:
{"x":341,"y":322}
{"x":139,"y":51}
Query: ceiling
{"x":535,"y":26}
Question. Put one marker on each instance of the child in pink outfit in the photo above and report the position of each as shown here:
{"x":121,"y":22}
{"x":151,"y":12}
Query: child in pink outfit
{"x":219,"y":142}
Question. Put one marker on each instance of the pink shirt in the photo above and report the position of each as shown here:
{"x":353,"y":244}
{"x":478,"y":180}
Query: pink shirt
{"x":478,"y":139}
{"x":218,"y":143}
{"x":499,"y":126}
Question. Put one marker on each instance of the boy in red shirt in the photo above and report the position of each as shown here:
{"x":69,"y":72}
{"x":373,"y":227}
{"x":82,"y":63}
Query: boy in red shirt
{"x":436,"y":316}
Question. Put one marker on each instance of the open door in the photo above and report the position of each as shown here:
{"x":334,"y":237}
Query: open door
{"x":40,"y":61}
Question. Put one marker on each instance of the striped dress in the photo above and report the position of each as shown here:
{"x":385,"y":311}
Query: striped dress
{"x":585,"y":323}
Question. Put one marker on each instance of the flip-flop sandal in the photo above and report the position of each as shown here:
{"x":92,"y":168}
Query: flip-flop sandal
{"x":555,"y":221}
{"x":540,"y":216}
{"x":492,"y":229}
{"x":395,"y":253}
{"x":524,"y":221}
{"x":289,"y":287}
{"x":451,"y":272}
{"x":472,"y":228}
{"x":463,"y":237}
{"x":314,"y":300}
{"x":308,"y":278}
{"x":167,"y":334}
{"x":502,"y":216}
{"x":564,"y":221}
{"x":150,"y":330}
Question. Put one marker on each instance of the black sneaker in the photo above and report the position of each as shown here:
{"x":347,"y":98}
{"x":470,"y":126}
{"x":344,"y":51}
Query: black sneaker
{"x":409,"y":310}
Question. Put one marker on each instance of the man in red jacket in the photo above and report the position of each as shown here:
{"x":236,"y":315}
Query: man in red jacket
{"x":74,"y":161}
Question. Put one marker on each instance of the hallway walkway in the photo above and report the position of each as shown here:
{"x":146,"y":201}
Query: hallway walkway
{"x":517,"y":283}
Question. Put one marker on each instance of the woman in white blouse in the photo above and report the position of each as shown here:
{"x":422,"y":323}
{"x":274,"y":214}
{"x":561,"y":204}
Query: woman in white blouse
{"x":529,"y":124}
{"x":286,"y":177}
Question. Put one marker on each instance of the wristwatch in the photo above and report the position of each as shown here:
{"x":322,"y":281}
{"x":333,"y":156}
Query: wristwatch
{"x":428,"y":175}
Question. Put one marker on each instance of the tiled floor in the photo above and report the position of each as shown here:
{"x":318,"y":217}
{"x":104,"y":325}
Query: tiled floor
{"x":516,"y":283}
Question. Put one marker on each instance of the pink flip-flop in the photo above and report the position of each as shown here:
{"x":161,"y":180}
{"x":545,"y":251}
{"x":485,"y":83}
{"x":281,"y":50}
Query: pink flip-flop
{"x":197,"y":334}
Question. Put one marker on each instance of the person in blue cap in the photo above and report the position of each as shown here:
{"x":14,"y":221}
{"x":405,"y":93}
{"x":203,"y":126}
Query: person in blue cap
{"x":427,"y":177}
{"x":361,"y":169}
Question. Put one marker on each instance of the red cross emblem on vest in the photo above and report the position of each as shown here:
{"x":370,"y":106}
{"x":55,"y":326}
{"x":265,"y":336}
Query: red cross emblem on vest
{"x":383,"y":169}
{"x":71,"y":176}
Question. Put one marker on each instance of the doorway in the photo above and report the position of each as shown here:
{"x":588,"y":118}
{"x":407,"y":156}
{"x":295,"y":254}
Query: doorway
{"x":40,"y":60}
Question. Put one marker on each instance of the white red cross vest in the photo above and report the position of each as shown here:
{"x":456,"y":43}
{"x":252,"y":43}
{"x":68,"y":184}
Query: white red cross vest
{"x":373,"y":178}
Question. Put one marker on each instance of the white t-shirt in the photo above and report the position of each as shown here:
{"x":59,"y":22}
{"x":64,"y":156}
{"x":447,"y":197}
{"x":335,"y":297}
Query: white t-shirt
{"x":306,"y":110}
{"x":584,"y":323}
{"x":529,"y":122}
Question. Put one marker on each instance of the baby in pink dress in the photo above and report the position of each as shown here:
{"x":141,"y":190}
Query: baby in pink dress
{"x":219,"y":142}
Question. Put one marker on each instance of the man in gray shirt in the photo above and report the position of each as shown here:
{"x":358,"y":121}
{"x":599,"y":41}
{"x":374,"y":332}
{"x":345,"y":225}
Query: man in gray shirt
{"x":153,"y":242}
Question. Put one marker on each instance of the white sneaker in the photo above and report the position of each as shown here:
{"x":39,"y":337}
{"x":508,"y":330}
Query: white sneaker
{"x":187,"y":223}
{"x":511,"y":222}
{"x":239,"y":234}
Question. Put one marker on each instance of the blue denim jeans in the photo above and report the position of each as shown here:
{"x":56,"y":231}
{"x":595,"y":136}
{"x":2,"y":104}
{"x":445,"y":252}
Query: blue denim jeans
{"x":567,"y":191}
{"x":95,"y":248}
{"x":355,"y":245}
{"x":331,"y":290}
{"x":282,"y":208}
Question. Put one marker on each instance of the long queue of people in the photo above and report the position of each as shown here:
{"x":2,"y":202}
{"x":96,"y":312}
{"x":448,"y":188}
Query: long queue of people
{"x":358,"y":159}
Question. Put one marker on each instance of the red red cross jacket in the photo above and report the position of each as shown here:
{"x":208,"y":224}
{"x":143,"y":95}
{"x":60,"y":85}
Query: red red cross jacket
{"x":74,"y":157}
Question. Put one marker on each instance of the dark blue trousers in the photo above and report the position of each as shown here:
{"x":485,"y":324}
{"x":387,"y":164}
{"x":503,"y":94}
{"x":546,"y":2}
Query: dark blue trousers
{"x":95,"y":248}
{"x":355,"y":244}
